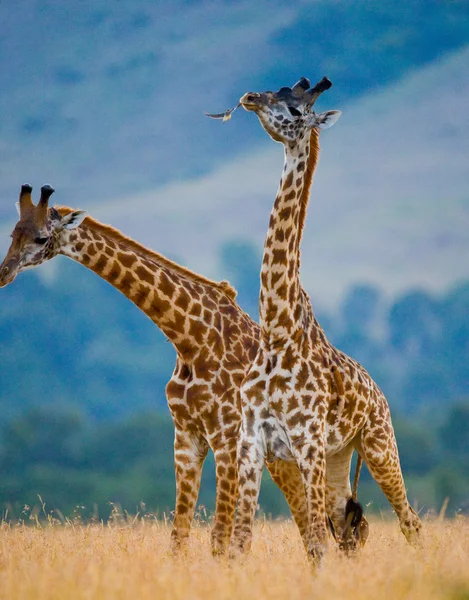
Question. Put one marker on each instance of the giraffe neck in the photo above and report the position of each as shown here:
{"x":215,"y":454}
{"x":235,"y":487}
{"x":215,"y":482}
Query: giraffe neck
{"x":181,"y":303}
{"x":280,"y":306}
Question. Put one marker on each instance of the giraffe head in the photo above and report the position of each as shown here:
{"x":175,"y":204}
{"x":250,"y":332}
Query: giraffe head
{"x":36,"y":236}
{"x":288,"y":115}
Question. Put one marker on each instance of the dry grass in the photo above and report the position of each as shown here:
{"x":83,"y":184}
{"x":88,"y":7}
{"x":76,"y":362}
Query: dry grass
{"x":74,"y":562}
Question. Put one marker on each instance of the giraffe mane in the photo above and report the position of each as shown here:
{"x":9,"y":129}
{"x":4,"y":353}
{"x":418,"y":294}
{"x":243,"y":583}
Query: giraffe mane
{"x":115,"y":234}
{"x":312,"y":161}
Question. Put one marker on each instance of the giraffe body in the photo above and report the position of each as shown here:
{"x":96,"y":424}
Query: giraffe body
{"x":214,"y":339}
{"x":316,"y":403}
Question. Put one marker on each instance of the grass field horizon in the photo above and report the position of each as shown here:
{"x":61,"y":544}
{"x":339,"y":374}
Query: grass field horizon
{"x":131,"y":559}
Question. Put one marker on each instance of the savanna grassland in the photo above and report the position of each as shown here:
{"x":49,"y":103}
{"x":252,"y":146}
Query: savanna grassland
{"x":125,"y":560}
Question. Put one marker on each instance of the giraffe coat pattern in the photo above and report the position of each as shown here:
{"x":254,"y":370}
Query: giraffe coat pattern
{"x":214,"y":339}
{"x":303,"y":400}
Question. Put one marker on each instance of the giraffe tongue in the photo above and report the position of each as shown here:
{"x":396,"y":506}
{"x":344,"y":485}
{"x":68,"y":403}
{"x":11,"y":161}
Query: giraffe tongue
{"x":224,"y":116}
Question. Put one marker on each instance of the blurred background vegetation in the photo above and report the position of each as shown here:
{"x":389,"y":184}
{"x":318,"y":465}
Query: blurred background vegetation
{"x":84,"y":419}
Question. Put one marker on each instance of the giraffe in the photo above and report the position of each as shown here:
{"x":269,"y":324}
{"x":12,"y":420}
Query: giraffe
{"x":303,"y":400}
{"x":214,"y":339}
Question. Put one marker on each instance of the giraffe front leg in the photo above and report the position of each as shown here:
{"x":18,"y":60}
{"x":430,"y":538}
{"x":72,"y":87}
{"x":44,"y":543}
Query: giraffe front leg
{"x":311,"y":459}
{"x":250,"y":467}
{"x":227,"y":492}
{"x":189,"y":454}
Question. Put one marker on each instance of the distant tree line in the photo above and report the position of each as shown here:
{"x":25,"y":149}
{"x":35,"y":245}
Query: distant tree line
{"x":83,"y":372}
{"x":83,"y":469}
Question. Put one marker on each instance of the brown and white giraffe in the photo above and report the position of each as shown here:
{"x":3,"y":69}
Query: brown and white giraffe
{"x":303,"y":400}
{"x":214,"y":339}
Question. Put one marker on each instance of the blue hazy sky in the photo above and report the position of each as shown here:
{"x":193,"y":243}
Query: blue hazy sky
{"x":105,"y":101}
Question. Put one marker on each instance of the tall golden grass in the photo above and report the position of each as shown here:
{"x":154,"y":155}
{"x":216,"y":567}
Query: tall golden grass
{"x":130,"y":560}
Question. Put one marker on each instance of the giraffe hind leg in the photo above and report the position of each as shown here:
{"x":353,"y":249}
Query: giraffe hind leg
{"x":287,"y":477}
{"x":378,"y":447}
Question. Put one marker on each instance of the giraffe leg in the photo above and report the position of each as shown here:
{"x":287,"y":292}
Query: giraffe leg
{"x":311,"y":458}
{"x":288,"y":478}
{"x":250,"y":467}
{"x":377,"y":445}
{"x":351,"y":527}
{"x":227,"y":493}
{"x":189,"y":455}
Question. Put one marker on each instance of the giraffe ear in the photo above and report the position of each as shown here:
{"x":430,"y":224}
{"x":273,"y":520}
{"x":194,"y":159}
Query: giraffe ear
{"x":73,"y":219}
{"x":326,"y":119}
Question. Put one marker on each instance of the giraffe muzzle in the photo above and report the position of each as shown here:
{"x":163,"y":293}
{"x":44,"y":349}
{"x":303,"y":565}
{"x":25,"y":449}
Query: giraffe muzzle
{"x":7,"y":273}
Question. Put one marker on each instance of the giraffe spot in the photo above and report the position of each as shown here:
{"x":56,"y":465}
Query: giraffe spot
{"x":79,"y":246}
{"x":145,"y":275}
{"x":140,"y":295}
{"x":284,"y":320}
{"x":250,"y":419}
{"x":208,"y":316}
{"x":278,"y":383}
{"x":158,"y":308}
{"x":178,"y":322}
{"x":215,"y":343}
{"x":183,"y":300}
{"x":180,"y":413}
{"x":229,"y":415}
{"x":299,"y":418}
{"x":289,"y":359}
{"x":211,"y":419}
{"x":209,"y":303}
{"x":205,"y":364}
{"x":127,"y":283}
{"x":292,"y":404}
{"x":165,"y":285}
{"x":288,"y":181}
{"x":279,"y":235}
{"x":175,"y":390}
{"x":198,"y":330}
{"x":282,"y":291}
{"x":115,"y":272}
{"x":284,"y":215}
{"x":195,"y":310}
{"x":302,"y":378}
{"x":197,"y":395}
{"x":108,"y":251}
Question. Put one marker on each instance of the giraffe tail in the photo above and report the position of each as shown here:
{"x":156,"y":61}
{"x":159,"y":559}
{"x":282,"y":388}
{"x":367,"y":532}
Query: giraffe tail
{"x":356,"y":526}
{"x":356,"y":479}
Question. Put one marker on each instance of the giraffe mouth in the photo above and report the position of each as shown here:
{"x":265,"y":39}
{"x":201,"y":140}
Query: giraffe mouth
{"x":5,"y":280}
{"x":251,"y":101}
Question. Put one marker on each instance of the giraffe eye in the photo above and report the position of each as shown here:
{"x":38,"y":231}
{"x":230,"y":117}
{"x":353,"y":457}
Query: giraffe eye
{"x":294,"y":112}
{"x":41,"y":240}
